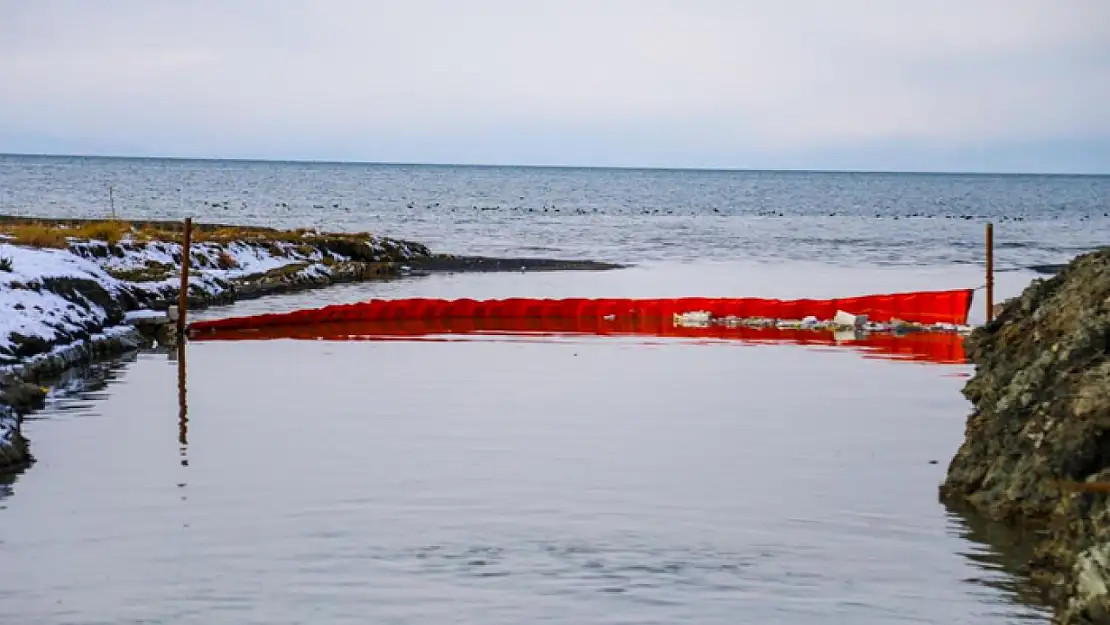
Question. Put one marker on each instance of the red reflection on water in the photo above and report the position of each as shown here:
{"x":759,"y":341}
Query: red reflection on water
{"x":933,"y":347}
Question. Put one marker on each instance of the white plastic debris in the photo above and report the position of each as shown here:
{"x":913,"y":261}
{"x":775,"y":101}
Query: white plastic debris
{"x":849,"y":320}
{"x":692,"y":319}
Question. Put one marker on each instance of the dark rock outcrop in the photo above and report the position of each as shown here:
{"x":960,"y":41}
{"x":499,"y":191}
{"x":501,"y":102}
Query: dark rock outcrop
{"x":16,"y":399}
{"x":13,"y":447}
{"x":450,"y":263}
{"x":1037,"y":444}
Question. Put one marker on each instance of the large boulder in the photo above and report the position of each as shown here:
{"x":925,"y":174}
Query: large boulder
{"x":1037,"y":443}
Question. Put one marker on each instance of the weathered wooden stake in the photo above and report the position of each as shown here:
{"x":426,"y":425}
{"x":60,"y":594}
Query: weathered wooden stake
{"x":183,"y":295}
{"x":990,"y":272}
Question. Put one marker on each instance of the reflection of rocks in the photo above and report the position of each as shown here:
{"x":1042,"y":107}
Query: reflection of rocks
{"x":18,"y":398}
{"x":1041,"y":419}
{"x":1005,"y":551}
{"x":89,"y":378}
{"x":6,"y":490}
{"x":25,"y":391}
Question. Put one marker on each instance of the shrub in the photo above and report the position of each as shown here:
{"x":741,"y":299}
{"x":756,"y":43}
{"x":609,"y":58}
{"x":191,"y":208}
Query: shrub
{"x":33,"y":235}
{"x":5,"y":264}
{"x":111,"y":232}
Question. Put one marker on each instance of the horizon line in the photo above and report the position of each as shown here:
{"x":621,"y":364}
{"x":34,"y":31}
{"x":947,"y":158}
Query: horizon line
{"x":310,"y":161}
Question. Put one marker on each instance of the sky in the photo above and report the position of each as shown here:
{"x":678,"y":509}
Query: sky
{"x":918,"y":85}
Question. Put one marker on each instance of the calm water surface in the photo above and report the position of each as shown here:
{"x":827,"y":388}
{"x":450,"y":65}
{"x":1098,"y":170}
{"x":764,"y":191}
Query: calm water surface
{"x":497,"y":480}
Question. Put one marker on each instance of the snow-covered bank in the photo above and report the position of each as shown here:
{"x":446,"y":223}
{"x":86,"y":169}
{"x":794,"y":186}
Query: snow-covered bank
{"x":36,"y":307}
{"x":64,"y":299}
{"x":52,"y":297}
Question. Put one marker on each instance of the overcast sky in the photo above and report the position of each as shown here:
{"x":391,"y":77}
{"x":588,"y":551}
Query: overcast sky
{"x":957,"y":85}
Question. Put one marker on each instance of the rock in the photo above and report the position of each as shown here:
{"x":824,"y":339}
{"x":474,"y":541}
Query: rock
{"x":13,"y":447}
{"x":24,"y":397}
{"x":1037,"y":443}
{"x":997,"y":309}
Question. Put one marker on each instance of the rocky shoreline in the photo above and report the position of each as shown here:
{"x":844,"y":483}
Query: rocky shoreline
{"x":63,"y":300}
{"x":21,"y":391}
{"x":1036,"y":453}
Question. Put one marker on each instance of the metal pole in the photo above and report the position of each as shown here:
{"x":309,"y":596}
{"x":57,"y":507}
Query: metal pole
{"x":990,"y":272}
{"x":183,"y":295}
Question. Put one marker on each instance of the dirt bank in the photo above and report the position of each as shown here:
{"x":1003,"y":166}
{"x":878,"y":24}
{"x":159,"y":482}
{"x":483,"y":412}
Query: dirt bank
{"x":1037,"y":444}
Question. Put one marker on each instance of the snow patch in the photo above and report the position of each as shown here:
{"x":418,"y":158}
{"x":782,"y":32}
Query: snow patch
{"x":232,"y":260}
{"x":137,"y":316}
{"x":27,"y":309}
{"x":31,"y":265}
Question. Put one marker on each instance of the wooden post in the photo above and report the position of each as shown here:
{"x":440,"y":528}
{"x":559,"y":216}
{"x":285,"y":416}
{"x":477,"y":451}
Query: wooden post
{"x":183,"y":295}
{"x":990,"y":272}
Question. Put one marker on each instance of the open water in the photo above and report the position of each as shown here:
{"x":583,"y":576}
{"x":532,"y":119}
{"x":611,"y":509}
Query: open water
{"x":605,"y":214}
{"x":502,"y":480}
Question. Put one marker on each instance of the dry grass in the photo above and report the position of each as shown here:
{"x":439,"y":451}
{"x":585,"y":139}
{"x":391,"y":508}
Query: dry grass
{"x":54,"y":234}
{"x":227,"y":234}
{"x":147,"y":233}
{"x":57,"y":235}
{"x":226,"y":261}
{"x":111,"y":232}
{"x":34,"y":235}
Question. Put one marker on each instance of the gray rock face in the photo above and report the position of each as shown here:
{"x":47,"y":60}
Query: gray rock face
{"x":1037,"y":444}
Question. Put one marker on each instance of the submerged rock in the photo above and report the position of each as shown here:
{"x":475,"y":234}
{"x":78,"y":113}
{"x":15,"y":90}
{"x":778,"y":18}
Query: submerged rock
{"x":1037,"y":444}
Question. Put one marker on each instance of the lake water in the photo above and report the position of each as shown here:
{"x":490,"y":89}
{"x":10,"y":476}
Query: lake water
{"x":625,"y":216}
{"x":500,"y":480}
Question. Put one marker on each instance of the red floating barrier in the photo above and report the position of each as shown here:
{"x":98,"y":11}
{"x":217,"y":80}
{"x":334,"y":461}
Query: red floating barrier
{"x":933,"y":347}
{"x":928,"y":307}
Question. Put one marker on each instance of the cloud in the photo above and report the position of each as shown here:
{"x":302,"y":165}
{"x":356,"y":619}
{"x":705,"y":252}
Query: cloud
{"x":366,"y":78}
